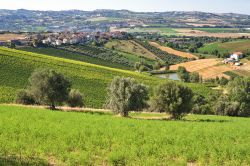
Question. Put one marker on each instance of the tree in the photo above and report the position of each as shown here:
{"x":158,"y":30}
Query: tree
{"x":157,"y":66}
{"x":125,"y":94}
{"x":173,"y":99}
{"x":239,"y":91}
{"x":183,"y":74}
{"x":194,"y":77}
{"x":49,"y":87}
{"x":25,"y":97}
{"x":75,"y":99}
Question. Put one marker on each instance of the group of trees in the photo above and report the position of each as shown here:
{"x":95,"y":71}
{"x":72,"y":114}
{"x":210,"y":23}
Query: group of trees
{"x":186,"y":76}
{"x":47,"y":87}
{"x":125,"y":94}
{"x":50,"y":88}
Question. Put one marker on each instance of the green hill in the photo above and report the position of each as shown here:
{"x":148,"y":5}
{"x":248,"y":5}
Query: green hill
{"x":92,"y":80}
{"x":227,"y":47}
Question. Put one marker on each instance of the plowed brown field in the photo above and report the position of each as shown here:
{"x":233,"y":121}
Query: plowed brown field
{"x":207,"y":68}
{"x":172,"y":51}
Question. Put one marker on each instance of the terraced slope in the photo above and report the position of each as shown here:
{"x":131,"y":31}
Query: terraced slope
{"x":92,"y":80}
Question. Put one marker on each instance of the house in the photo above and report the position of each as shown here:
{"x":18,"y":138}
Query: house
{"x":58,"y":42}
{"x":237,"y":56}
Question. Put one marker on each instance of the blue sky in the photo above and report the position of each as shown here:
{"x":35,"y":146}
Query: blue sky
{"x":219,"y":6}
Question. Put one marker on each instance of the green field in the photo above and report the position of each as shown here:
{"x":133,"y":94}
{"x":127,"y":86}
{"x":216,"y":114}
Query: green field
{"x":92,"y":80}
{"x":228,"y":47}
{"x":222,"y":30}
{"x":31,"y":136}
{"x":161,"y":30}
{"x":73,"y":56}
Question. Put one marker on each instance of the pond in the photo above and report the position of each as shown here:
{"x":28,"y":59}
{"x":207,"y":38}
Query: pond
{"x":171,"y":76}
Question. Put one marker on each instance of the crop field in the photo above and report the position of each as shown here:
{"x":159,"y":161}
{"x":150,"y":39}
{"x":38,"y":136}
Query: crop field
{"x":73,"y":56}
{"x":239,"y":45}
{"x":161,"y":30}
{"x":92,"y":80}
{"x":210,"y":33}
{"x":222,"y":30}
{"x":35,"y":136}
{"x":6,"y":37}
{"x":131,"y":47}
{"x":174,"y":52}
{"x":207,"y":68}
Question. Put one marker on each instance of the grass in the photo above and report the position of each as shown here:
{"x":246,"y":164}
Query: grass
{"x":228,"y":47}
{"x":32,"y":136}
{"x":92,"y":80}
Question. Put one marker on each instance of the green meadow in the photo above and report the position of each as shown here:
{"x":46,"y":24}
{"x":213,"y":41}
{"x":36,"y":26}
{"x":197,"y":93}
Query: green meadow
{"x":35,"y":136}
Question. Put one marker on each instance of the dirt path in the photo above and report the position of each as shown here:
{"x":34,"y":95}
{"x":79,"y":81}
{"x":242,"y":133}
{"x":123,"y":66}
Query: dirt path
{"x":174,"y":52}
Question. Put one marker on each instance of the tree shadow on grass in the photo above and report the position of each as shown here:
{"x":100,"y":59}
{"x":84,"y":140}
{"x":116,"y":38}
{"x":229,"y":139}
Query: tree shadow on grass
{"x":15,"y":161}
{"x":183,"y":120}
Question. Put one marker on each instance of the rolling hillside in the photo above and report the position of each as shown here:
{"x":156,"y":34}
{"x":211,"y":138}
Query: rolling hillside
{"x":131,"y":47}
{"x":92,"y":80}
{"x":228,"y":47}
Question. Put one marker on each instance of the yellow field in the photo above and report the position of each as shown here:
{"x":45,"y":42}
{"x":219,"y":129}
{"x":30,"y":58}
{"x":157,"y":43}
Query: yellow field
{"x":6,"y":37}
{"x":172,"y":51}
{"x":198,"y":33}
{"x":207,"y":68}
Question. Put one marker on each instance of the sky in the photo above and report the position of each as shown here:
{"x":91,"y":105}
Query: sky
{"x":217,"y":6}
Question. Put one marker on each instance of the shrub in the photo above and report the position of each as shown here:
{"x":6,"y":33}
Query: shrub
{"x":172,"y":98}
{"x":25,"y":97}
{"x":194,"y":77}
{"x":183,"y":74}
{"x":125,"y":94}
{"x":75,"y":99}
{"x":49,"y":87}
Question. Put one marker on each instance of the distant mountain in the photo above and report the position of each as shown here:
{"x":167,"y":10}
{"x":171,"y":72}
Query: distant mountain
{"x":101,"y":20}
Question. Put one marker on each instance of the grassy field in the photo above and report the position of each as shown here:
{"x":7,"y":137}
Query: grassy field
{"x":131,"y":47}
{"x":240,"y":45}
{"x":73,"y":56}
{"x":92,"y":80}
{"x":221,"y":30}
{"x":32,"y":136}
{"x":161,"y":30}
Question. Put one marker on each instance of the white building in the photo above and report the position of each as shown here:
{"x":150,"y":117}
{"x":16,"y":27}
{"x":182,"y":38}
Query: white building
{"x":58,"y":42}
{"x":237,"y":56}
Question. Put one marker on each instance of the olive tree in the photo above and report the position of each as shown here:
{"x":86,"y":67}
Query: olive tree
{"x":183,"y":74}
{"x":125,"y":94}
{"x":49,"y":87}
{"x":75,"y":99}
{"x":173,"y":99}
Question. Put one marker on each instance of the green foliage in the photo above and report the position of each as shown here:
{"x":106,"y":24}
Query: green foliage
{"x":183,"y":74}
{"x":25,"y":97}
{"x":75,"y":99}
{"x":194,"y":77}
{"x":49,"y":87}
{"x":173,"y":99}
{"x":67,"y":138}
{"x":125,"y":94}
